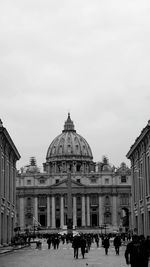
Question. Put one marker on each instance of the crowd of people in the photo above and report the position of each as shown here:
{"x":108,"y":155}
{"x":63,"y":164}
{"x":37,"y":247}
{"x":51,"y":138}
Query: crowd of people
{"x":137,"y":252}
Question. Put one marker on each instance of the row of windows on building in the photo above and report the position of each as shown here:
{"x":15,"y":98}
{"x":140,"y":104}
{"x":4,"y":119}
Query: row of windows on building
{"x":42,"y":200}
{"x":93,"y":180}
{"x":138,"y":180}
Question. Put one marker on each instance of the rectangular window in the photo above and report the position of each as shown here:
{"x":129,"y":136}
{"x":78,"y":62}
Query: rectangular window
{"x":141,"y":180}
{"x":106,"y":181}
{"x":42,"y":201}
{"x":123,"y":179}
{"x":94,"y":200}
{"x":124,"y":199}
{"x":78,"y":201}
{"x":57,"y":202}
{"x":93,"y":180}
{"x":42,"y":181}
{"x":28,"y":182}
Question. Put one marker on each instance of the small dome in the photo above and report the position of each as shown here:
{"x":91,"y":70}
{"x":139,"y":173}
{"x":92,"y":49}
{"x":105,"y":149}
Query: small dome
{"x":107,"y":168}
{"x":31,"y":168}
{"x":69,"y":145}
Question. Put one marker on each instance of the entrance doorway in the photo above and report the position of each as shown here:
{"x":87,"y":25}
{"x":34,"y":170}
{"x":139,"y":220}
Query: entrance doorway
{"x":57,"y":223}
{"x":79,"y":222}
{"x":94,"y":220}
{"x":43,"y":219}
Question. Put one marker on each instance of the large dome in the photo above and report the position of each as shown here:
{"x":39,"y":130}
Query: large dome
{"x":69,"y":145}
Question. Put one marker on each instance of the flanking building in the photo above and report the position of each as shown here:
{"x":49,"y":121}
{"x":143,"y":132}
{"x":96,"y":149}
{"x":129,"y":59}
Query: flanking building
{"x":100,"y":193}
{"x":8,"y":157}
{"x":139,"y":154}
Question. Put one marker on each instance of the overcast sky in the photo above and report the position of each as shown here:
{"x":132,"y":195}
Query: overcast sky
{"x":89,"y":58}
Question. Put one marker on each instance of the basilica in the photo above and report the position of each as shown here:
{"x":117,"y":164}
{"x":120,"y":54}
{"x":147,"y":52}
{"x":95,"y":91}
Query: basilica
{"x":100,"y":193}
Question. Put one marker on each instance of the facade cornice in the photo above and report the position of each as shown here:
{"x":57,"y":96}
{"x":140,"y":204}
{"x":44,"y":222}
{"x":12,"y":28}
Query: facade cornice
{"x":9,"y":140}
{"x":138,"y":140}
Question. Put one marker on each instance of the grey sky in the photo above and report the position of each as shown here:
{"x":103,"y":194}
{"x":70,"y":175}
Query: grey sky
{"x":91,"y":58}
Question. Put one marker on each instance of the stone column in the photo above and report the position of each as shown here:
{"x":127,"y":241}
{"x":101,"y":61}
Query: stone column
{"x":53,"y":212}
{"x":83,"y":210}
{"x":48,"y":210}
{"x":88,"y":211}
{"x":36,"y":208}
{"x":114,"y":210}
{"x":100,"y":211}
{"x":74,"y":211}
{"x":62,"y":212}
{"x":22,"y":222}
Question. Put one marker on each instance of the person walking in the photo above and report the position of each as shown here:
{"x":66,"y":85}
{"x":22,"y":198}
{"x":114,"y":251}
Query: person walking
{"x":136,"y":253}
{"x":117,"y":243}
{"x":76,"y":245}
{"x":83,"y":245}
{"x":49,"y":241}
{"x":97,"y":240}
{"x":106,"y":244}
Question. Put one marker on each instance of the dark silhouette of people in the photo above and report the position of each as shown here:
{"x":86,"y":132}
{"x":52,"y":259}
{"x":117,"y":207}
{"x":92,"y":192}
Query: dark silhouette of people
{"x":136,"y":253}
{"x":106,"y":244}
{"x":82,"y":245}
{"x":117,"y":243}
{"x":49,"y":241}
{"x":76,"y":245}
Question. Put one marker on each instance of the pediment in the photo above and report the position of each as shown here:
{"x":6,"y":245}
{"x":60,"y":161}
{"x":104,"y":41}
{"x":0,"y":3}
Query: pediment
{"x":63,"y":184}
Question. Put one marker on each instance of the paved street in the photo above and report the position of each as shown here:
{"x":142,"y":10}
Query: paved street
{"x":32,"y":257}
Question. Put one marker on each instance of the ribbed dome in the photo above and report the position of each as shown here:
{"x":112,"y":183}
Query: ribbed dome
{"x":69,"y":145}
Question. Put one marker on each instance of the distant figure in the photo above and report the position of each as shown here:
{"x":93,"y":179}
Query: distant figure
{"x":49,"y":241}
{"x":136,"y":253}
{"x":97,"y":241}
{"x":117,"y":244}
{"x":106,"y":244}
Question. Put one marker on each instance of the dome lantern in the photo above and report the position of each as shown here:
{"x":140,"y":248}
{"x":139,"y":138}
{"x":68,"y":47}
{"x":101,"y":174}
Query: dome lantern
{"x":69,"y":126}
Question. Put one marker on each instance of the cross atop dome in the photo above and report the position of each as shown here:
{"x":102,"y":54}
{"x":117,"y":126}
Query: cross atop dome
{"x":69,"y":126}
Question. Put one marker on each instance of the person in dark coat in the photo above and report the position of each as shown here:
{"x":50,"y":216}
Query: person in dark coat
{"x":83,"y":245}
{"x":97,"y":241}
{"x":49,"y":241}
{"x":106,"y":244}
{"x":136,"y":253}
{"x":76,"y":245}
{"x":117,"y":244}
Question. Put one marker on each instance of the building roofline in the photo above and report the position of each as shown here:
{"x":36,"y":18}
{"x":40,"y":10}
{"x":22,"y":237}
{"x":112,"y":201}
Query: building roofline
{"x":10,"y":141}
{"x":138,"y":140}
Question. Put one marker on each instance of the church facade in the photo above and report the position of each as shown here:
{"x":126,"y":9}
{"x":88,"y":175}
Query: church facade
{"x":100,"y":194}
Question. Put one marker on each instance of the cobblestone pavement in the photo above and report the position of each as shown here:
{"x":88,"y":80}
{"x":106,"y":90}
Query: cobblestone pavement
{"x":63,"y":257}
